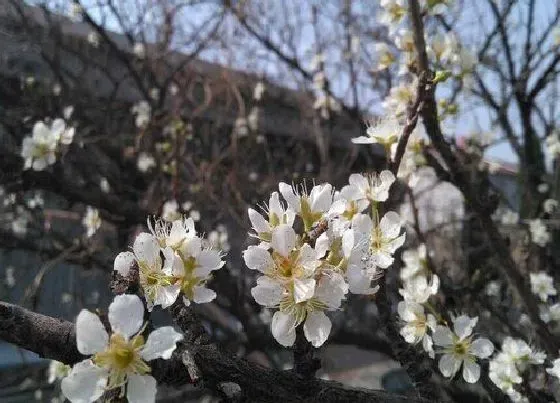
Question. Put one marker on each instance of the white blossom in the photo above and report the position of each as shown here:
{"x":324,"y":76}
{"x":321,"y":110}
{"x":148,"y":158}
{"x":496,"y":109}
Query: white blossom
{"x":39,"y":149}
{"x":373,"y":187}
{"x":550,"y":206}
{"x":542,"y":285}
{"x":552,"y":145}
{"x":139,"y":50}
{"x":459,"y":348}
{"x":418,"y":289}
{"x":539,"y":232}
{"x":384,"y":132}
{"x":145,"y":162}
{"x":555,"y":369}
{"x":120,"y":359}
{"x":276,"y":214}
{"x":382,"y":238}
{"x":91,"y":221}
{"x":399,"y":98}
{"x":312,"y":206}
{"x":93,"y":38}
{"x":416,"y":325}
{"x":385,"y":57}
{"x":143,"y":111}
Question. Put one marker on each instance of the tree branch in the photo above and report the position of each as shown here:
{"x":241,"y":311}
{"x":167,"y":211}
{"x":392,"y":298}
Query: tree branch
{"x":56,"y":339}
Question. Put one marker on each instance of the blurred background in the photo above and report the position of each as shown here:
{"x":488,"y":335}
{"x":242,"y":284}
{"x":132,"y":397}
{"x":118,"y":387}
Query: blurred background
{"x":200,"y":108}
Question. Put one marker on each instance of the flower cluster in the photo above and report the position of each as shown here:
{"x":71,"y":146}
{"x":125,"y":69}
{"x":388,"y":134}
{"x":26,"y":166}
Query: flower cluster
{"x":91,"y":221}
{"x":171,"y":260}
{"x":508,"y":366}
{"x":118,"y":360}
{"x":539,"y":232}
{"x":338,"y":249}
{"x":458,"y":346}
{"x":39,"y":150}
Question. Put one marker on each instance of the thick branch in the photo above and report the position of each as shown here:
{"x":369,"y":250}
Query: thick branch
{"x":56,"y":339}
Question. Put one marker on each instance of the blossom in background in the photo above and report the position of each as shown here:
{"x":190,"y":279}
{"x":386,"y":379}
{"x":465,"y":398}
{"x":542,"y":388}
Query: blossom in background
{"x":415,"y":262}
{"x":509,"y":217}
{"x":91,"y":221}
{"x":385,"y":58}
{"x":219,"y":238}
{"x":311,"y":206}
{"x":539,"y":232}
{"x":399,"y":98}
{"x":504,"y":376}
{"x":93,"y":39}
{"x":550,"y":313}
{"x":143,"y":112}
{"x":550,"y":206}
{"x":555,"y":369}
{"x":552,"y":145}
{"x":542,"y":285}
{"x":392,"y":12}
{"x":384,"y":132}
{"x":139,"y":50}
{"x":170,"y":211}
{"x":39,"y":149}
{"x":57,"y":370}
{"x":416,"y":325}
{"x":145,"y":162}
{"x":404,"y":40}
{"x":459,"y":348}
{"x":418,"y":289}
{"x":118,"y":360}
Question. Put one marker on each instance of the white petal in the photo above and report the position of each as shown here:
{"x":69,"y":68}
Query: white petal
{"x":191,"y":247}
{"x":321,"y":246}
{"x":428,"y":346}
{"x":396,"y":243}
{"x":471,"y":371}
{"x":448,"y":365}
{"x":161,"y":343}
{"x":203,"y":295}
{"x":283,"y":328}
{"x":331,"y":290}
{"x":321,"y":197}
{"x":443,"y":336}
{"x":208,"y":261}
{"x":258,"y":222}
{"x":348,"y":242}
{"x":283,"y":239}
{"x":85,"y":383}
{"x":482,"y":348}
{"x":91,"y":335}
{"x":362,"y":223}
{"x":303,"y":289}
{"x":126,"y":315}
{"x":289,"y":195}
{"x":257,"y":258}
{"x":464,"y":325}
{"x":166,"y":296}
{"x":267,"y":292}
{"x":123,"y":262}
{"x":146,"y":248}
{"x":141,"y":389}
{"x":390,"y":225}
{"x":317,"y":328}
{"x":274,"y":205}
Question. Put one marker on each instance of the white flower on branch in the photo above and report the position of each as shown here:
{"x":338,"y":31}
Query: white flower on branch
{"x":372,"y":187}
{"x":539,"y":232}
{"x":542,"y":285}
{"x":382,"y":238}
{"x":39,"y":149}
{"x":118,"y":360}
{"x":57,"y":370}
{"x":385,"y":57}
{"x":416,"y":325}
{"x":384,"y":132}
{"x":276,"y":213}
{"x":555,"y":369}
{"x":312,"y":206}
{"x":460,"y":349}
{"x":145,"y":162}
{"x":143,"y":112}
{"x":418,"y":289}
